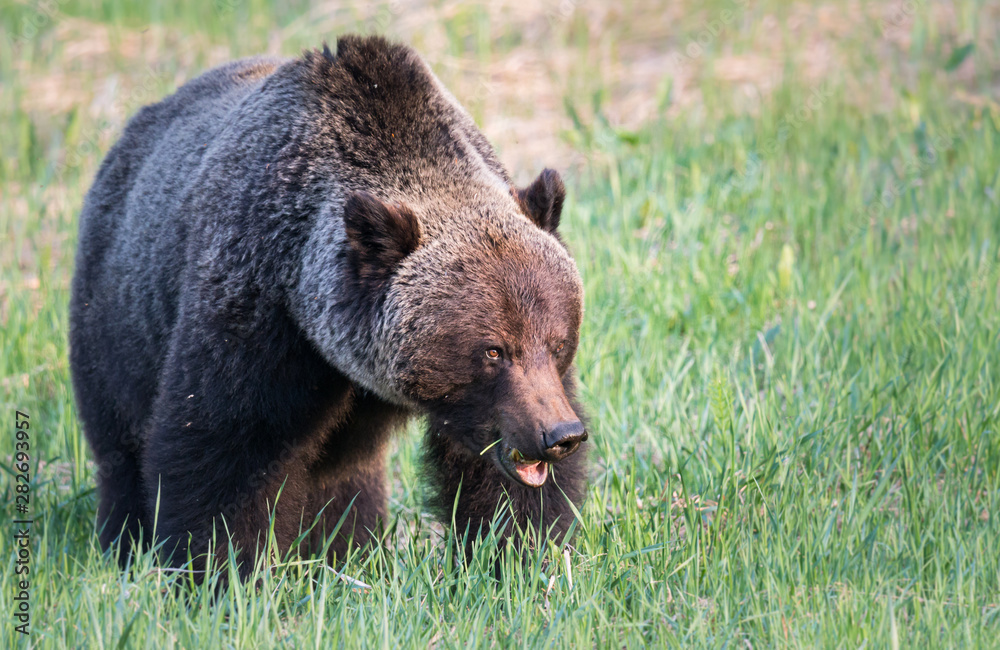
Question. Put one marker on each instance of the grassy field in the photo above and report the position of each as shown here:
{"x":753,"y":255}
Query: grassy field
{"x":787,"y":217}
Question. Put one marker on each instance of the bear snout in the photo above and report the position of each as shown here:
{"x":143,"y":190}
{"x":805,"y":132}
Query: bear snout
{"x":562,"y":440}
{"x":528,"y":463}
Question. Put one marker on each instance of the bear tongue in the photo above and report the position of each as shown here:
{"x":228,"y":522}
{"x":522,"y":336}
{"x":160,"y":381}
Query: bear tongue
{"x":534,"y":474}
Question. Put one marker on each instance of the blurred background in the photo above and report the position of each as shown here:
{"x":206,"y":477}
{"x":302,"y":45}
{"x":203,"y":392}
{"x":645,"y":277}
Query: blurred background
{"x":786,"y":217}
{"x":552,"y":83}
{"x":73,"y":70}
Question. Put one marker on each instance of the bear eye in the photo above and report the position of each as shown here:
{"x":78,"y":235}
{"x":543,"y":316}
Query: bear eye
{"x":493,"y":353}
{"x":560,"y":348}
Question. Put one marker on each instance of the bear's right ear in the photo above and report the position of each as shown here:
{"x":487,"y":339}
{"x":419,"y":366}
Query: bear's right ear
{"x":380,"y":236}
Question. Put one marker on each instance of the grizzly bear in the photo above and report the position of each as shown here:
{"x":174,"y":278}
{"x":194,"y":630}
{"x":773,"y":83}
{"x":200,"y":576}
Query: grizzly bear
{"x":282,"y":263}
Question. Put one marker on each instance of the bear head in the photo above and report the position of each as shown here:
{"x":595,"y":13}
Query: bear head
{"x":481,"y":315}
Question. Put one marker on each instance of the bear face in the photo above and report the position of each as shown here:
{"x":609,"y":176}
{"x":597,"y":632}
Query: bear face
{"x":492,"y":379}
{"x":486,"y":323}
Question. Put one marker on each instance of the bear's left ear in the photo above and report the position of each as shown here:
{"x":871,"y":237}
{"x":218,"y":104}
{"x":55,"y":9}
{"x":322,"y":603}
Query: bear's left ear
{"x":380,"y":236}
{"x":542,"y":201}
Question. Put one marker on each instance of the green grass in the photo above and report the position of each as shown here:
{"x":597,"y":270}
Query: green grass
{"x":790,"y":356}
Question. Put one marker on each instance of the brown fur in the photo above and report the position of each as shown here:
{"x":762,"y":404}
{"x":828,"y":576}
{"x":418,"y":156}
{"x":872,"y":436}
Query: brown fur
{"x":283,"y":262}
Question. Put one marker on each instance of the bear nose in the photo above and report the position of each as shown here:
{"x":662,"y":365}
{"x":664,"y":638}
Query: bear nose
{"x":562,"y":439}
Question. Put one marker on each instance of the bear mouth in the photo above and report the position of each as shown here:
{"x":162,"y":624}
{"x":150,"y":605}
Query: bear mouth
{"x":528,"y":472}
